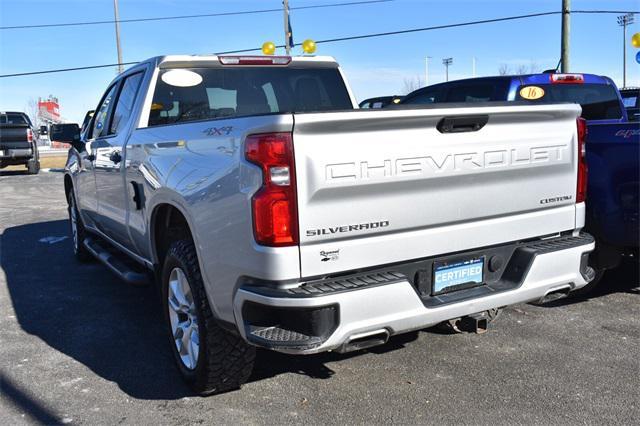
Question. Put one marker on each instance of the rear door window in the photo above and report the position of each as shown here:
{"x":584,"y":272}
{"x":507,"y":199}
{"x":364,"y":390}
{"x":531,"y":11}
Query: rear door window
{"x":598,"y":101}
{"x":209,"y":93}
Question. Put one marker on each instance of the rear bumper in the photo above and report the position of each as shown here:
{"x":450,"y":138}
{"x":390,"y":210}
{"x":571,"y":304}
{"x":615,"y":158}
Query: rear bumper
{"x":330,"y":314}
{"x":9,"y":155}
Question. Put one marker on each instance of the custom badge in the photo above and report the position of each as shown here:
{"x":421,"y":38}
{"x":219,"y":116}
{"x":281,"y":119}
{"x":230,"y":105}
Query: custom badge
{"x":326,"y":256}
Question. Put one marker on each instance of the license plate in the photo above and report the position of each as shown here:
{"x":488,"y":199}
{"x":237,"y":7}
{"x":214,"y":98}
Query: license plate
{"x":456,"y":276}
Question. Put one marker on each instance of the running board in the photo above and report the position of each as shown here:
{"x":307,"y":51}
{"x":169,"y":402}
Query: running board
{"x":117,"y":265}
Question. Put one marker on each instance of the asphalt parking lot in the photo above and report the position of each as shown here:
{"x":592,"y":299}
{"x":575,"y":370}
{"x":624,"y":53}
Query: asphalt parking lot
{"x":79,"y":346}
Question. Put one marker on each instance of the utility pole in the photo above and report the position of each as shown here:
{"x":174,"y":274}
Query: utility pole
{"x":623,"y":21}
{"x":426,"y":71}
{"x":117,"y":19}
{"x":565,"y":34}
{"x":446,"y":62}
{"x":285,"y":6}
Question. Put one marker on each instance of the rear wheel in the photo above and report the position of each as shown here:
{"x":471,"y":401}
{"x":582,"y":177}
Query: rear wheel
{"x":210,"y":359}
{"x":77,"y":231}
{"x":33,"y":167}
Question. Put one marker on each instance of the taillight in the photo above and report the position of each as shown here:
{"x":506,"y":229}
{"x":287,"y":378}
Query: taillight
{"x":581,"y":190}
{"x":29,"y":135}
{"x":566,"y":78}
{"x":275,"y":206}
{"x":254,"y":60}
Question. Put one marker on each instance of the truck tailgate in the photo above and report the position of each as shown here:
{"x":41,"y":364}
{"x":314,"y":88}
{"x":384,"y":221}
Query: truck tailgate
{"x":14,"y":136}
{"x":378,"y":187}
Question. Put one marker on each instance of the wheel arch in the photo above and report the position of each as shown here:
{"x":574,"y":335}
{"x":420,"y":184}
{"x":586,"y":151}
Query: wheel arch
{"x":68,"y":185}
{"x":168,"y":223}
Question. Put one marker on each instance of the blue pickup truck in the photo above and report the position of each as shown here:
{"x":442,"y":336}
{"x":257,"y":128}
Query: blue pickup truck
{"x":613,"y":148}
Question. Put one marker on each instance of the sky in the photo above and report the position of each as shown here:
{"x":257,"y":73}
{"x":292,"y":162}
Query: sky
{"x":374,"y":66}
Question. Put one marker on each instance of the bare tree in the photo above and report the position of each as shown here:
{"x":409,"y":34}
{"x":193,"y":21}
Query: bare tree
{"x":31,"y":109}
{"x":504,"y":69}
{"x":411,"y":84}
{"x":531,"y":68}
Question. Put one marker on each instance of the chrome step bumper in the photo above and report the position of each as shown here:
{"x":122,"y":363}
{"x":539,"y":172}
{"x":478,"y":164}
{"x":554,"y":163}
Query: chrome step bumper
{"x":391,"y":301}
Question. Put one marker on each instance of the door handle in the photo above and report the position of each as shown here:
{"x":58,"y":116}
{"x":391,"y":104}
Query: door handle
{"x":115,"y":157}
{"x":468,"y":123}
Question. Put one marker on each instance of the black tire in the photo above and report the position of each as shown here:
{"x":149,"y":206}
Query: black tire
{"x":33,"y":167}
{"x":225,"y":360}
{"x":79,"y":250}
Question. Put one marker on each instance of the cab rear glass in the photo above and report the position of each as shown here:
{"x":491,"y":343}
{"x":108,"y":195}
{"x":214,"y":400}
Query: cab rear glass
{"x":191,"y":94}
{"x":10,"y":118}
{"x":598,"y":101}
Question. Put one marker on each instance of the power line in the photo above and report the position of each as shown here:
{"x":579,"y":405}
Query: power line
{"x":204,"y":15}
{"x":332,"y":40}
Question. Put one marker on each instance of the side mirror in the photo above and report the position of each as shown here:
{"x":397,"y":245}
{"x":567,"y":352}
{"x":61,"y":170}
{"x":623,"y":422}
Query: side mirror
{"x":69,"y":133}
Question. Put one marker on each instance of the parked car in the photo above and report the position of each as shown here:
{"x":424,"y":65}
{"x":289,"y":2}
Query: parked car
{"x":612,"y":147}
{"x":18,"y":145}
{"x":319,"y":236}
{"x":631,"y":100}
{"x":380,"y":102}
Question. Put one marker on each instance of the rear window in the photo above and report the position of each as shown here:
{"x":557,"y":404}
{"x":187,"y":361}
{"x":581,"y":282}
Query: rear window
{"x":598,"y":101}
{"x":477,"y":93}
{"x":13,"y":119}
{"x":463,"y":91}
{"x":184,"y":95}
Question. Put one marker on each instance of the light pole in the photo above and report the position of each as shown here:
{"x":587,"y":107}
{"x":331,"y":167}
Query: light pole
{"x":117,"y":20}
{"x":623,"y":21}
{"x":564,"y":42}
{"x":446,"y":62}
{"x":287,"y":27}
{"x":426,"y":71}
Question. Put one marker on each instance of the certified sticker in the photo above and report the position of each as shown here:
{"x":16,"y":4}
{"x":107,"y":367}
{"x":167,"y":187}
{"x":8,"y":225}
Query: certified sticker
{"x":531,"y":92}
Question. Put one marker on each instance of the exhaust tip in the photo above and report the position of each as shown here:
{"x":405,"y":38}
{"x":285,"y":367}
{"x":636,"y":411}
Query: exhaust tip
{"x":556,"y":294}
{"x":365,"y":340}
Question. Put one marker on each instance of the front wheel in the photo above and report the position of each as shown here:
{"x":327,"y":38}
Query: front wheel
{"x":77,"y":231}
{"x":210,"y":359}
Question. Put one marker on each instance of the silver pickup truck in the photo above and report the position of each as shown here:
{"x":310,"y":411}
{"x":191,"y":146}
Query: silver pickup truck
{"x":272,"y":213}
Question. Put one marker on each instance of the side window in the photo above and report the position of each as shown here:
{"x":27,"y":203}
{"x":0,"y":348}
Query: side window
{"x":102,"y":114}
{"x":125,"y":102}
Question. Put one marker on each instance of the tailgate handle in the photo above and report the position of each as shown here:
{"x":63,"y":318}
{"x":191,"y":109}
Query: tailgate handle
{"x":468,"y":123}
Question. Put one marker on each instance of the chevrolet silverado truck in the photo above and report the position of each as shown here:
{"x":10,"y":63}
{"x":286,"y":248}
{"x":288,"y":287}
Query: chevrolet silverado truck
{"x":18,"y":145}
{"x":272,"y":213}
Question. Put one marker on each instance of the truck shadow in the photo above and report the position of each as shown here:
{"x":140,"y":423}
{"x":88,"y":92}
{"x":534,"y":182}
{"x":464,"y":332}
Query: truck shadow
{"x":12,"y":172}
{"x":114,"y":329}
